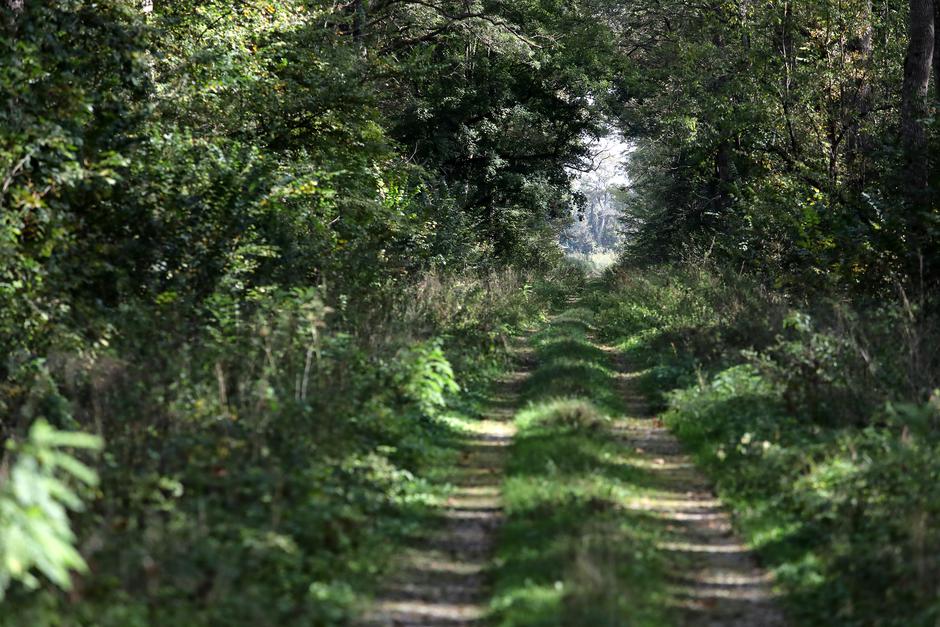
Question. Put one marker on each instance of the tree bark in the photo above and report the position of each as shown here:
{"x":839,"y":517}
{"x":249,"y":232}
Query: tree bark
{"x":936,"y":49}
{"x":724,"y":175}
{"x":358,"y":11}
{"x":914,"y":101}
{"x":857,"y":141}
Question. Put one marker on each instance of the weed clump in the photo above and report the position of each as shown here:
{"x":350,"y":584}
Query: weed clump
{"x":572,"y":413}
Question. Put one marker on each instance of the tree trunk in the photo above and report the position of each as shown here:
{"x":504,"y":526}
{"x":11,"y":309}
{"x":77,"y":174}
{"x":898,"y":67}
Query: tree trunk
{"x":857,"y":141}
{"x":914,"y":103}
{"x":719,"y":88}
{"x":358,"y":10}
{"x":936,"y":49}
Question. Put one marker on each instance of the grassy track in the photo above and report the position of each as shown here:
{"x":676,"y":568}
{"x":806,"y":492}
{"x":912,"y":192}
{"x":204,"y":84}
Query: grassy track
{"x":607,"y":522}
{"x":440,"y":579}
{"x":570,"y":552}
{"x":571,"y":505}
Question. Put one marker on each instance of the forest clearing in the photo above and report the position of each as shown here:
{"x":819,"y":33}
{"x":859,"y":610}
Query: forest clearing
{"x":508,"y":313}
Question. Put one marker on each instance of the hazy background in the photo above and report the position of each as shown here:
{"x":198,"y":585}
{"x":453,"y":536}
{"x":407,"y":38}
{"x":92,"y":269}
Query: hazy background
{"x":594,"y":234}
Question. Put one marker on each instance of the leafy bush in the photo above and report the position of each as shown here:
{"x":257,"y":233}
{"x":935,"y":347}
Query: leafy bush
{"x":39,"y":485}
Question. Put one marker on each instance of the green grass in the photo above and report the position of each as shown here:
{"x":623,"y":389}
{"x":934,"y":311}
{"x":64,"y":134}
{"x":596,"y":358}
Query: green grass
{"x":570,"y":552}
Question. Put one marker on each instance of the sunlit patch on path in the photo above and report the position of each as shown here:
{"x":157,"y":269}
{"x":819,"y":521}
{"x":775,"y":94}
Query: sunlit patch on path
{"x":442,"y":582}
{"x":714,"y":578}
{"x":602,"y":519}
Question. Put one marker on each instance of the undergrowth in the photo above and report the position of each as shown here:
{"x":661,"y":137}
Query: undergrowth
{"x":268,"y":473}
{"x":819,"y":422}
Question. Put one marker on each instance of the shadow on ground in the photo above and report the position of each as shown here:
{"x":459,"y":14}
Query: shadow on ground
{"x":442,"y":580}
{"x":608,"y":522}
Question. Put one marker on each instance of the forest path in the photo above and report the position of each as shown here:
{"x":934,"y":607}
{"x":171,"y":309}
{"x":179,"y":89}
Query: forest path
{"x":663,"y":522}
{"x":713,"y":577}
{"x":442,"y":581}
{"x":608,"y":522}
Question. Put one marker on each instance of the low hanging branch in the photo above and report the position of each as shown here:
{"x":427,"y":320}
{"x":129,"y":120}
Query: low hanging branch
{"x":453,"y":19}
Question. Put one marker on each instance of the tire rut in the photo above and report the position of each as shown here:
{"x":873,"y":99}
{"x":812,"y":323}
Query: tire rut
{"x":443,"y":580}
{"x":716,"y":580}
